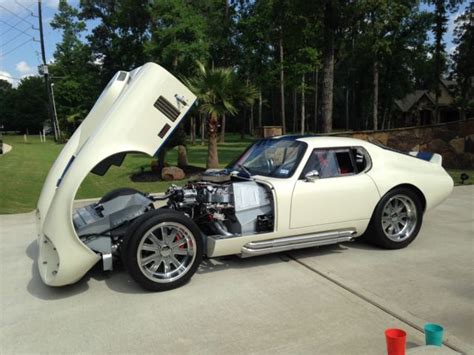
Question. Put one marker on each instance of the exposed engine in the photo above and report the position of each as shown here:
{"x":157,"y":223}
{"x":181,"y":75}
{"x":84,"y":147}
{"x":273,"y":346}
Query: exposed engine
{"x":223,"y":210}
{"x":226,"y":209}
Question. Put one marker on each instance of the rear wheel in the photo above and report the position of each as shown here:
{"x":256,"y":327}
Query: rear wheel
{"x":164,"y":251}
{"x":397,"y":219}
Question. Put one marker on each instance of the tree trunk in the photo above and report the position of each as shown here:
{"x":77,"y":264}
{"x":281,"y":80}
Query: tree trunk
{"x":282,"y":86}
{"x":316,"y":89}
{"x":182,"y":157}
{"x":260,"y":103}
{"x":328,"y":84}
{"x":376,"y":96}
{"x":193,"y":130}
{"x":462,"y":114}
{"x":385,"y":119}
{"x":439,"y":30}
{"x":212,"y":156}
{"x":347,"y":108}
{"x":242,"y":125}
{"x":161,"y":159}
{"x":436,"y":115}
{"x":203,"y":128}
{"x":295,"y":109}
{"x":303,"y":113}
{"x":251,"y":123}
{"x":328,"y":67}
{"x":222,"y":139}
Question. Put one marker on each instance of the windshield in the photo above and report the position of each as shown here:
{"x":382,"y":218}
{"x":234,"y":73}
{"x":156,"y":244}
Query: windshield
{"x":271,"y":157}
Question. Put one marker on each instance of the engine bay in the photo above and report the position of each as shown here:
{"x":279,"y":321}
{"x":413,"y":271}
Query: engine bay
{"x":226,"y":209}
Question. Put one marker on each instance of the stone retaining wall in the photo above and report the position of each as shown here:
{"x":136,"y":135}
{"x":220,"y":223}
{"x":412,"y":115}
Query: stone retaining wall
{"x":453,"y":140}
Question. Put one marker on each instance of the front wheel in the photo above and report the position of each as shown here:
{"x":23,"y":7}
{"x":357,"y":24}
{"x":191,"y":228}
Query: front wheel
{"x":164,"y":252}
{"x":397,"y":219}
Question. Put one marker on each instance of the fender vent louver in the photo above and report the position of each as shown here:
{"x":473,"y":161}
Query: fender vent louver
{"x":164,"y":130}
{"x":166,"y":108}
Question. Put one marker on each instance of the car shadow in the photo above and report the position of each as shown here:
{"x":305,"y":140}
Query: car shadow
{"x":362,"y":245}
{"x":117,"y":280}
{"x":38,"y":289}
{"x":120,"y":281}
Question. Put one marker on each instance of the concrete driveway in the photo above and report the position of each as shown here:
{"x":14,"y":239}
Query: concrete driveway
{"x":331,"y":300}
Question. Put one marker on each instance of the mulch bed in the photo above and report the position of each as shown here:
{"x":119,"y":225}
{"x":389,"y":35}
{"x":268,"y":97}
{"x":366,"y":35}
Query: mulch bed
{"x":152,"y":176}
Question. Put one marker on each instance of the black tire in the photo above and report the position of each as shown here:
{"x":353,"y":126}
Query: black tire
{"x":123,"y":191}
{"x":387,"y":237}
{"x":134,"y":252}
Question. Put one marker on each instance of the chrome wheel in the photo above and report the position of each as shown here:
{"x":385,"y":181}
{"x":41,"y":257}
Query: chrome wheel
{"x":399,"y":218}
{"x":166,"y":252}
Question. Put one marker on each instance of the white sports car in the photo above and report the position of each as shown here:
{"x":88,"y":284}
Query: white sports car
{"x":282,"y":193}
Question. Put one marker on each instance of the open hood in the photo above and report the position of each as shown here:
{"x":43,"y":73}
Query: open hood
{"x":136,"y":112}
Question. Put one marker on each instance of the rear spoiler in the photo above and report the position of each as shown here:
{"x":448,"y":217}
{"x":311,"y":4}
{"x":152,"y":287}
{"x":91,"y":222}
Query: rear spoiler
{"x":428,"y":156}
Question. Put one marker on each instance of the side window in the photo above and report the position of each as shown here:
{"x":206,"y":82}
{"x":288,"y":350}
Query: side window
{"x":330,"y":163}
{"x":362,"y":159}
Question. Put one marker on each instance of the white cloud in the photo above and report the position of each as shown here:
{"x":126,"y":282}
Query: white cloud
{"x":452,"y":21}
{"x":23,"y":68}
{"x":4,"y":75}
{"x":52,"y":3}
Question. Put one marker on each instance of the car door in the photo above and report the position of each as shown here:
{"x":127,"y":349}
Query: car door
{"x":342,"y":192}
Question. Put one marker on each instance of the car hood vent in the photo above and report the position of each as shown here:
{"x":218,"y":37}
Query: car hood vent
{"x":167,"y":108}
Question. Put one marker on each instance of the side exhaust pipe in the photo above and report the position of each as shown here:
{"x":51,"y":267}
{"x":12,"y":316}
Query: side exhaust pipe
{"x":297,"y":242}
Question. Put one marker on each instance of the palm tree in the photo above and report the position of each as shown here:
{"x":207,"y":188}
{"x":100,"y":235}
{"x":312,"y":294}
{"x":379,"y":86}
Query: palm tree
{"x":218,"y":94}
{"x":243,"y":94}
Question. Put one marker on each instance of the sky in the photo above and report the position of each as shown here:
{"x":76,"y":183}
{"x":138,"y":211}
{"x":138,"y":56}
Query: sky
{"x":20,"y":52}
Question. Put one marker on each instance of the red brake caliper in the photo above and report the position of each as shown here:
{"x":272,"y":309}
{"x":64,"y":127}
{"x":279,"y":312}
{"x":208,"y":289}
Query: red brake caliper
{"x":178,"y":237}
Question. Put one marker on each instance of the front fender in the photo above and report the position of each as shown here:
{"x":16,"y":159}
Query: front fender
{"x":132,"y":119}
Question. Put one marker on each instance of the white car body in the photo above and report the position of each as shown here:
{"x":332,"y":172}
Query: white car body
{"x":345,"y":202}
{"x":306,"y":212}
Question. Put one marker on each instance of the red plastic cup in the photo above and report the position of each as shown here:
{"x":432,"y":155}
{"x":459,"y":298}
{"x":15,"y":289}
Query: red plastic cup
{"x":396,"y":341}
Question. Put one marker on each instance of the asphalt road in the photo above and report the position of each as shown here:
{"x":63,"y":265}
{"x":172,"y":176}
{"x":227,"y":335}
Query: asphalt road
{"x":331,"y":300}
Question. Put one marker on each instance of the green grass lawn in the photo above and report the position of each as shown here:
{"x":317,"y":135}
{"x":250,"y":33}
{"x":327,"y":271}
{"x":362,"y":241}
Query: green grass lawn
{"x":456,"y":175}
{"x":24,"y":169}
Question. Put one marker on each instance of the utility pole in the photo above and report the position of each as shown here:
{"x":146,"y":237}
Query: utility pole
{"x":45,"y":72}
{"x":55,"y":113}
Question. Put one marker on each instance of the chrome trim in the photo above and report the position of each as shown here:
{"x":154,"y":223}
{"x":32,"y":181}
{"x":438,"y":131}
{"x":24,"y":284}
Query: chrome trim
{"x":107,"y":262}
{"x":399,"y":218}
{"x":298,"y":242}
{"x":166,"y":252}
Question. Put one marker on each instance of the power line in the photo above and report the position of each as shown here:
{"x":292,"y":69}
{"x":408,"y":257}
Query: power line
{"x":11,"y":77}
{"x":11,"y":27}
{"x":14,"y":49}
{"x":26,"y":8}
{"x":22,"y":31}
{"x":28,"y":22}
{"x":45,"y":72}
{"x":13,"y":38}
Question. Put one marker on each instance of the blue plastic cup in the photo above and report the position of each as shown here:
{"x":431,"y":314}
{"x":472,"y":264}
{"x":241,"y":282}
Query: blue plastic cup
{"x":433,"y":334}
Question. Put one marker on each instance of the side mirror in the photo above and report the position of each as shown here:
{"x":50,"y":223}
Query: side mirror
{"x":311,"y":176}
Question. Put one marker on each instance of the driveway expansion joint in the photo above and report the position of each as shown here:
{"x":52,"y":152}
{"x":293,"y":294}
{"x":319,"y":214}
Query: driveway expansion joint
{"x":450,"y":341}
